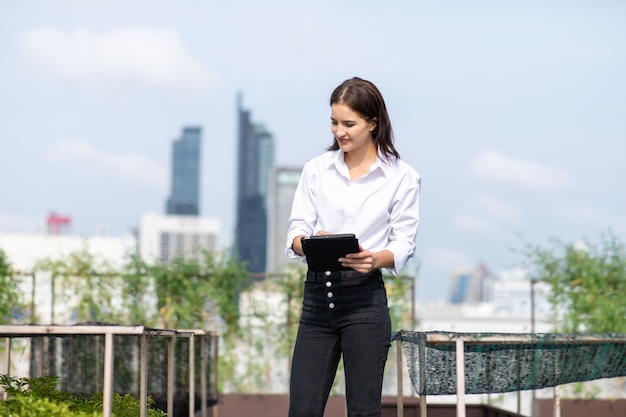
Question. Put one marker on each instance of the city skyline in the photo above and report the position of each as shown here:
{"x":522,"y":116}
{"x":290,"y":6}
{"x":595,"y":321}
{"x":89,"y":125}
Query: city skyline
{"x":511,"y":112}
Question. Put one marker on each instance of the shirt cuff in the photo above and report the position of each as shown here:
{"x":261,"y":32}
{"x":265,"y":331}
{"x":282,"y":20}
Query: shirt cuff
{"x":401,"y":256}
{"x":290,"y":237}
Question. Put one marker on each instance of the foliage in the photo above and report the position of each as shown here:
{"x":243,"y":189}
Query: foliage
{"x":10,"y":300}
{"x":86,"y":283}
{"x":261,"y":353}
{"x":587,"y":281}
{"x":192,"y":292}
{"x":129,"y":406}
{"x":400,"y":293}
{"x":135,"y":292}
{"x":35,"y":397}
{"x":201,"y":291}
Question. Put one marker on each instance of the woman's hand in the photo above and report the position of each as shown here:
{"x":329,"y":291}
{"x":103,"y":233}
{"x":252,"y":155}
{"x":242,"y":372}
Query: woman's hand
{"x":366,"y":261}
{"x":322,"y":233}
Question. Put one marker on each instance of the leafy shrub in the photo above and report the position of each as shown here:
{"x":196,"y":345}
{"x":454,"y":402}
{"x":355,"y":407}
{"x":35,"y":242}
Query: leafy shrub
{"x":35,"y":397}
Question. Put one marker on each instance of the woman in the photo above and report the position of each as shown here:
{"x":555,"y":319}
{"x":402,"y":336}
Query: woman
{"x":358,"y":186}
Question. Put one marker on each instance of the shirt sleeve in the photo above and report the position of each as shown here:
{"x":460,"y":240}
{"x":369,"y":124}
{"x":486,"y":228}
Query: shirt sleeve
{"x":404,"y":222}
{"x":303,"y":216}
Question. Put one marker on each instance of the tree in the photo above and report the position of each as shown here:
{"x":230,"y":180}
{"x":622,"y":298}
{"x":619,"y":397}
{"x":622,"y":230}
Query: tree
{"x":587,"y":282}
{"x":83,"y":283}
{"x":10,"y":297}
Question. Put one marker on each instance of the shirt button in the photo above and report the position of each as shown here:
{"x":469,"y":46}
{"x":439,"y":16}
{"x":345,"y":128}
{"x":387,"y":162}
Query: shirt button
{"x":331,"y":305}
{"x":330,"y":294}
{"x":329,"y":284}
{"x":327,"y":273}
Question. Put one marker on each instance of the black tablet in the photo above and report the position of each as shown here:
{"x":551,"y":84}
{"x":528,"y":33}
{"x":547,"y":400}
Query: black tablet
{"x":322,"y":252}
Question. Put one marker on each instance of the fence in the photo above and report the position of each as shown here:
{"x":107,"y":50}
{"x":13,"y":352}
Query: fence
{"x":54,"y":349}
{"x":472,"y":363}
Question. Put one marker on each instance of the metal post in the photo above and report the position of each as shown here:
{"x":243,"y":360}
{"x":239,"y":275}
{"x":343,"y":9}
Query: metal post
{"x":7,"y":355}
{"x":422,"y":373}
{"x":460,"y":378}
{"x":192,"y":379}
{"x":170,"y":376}
{"x":557,"y":402}
{"x":41,"y":350}
{"x":32,"y":300}
{"x":107,"y":395}
{"x":143,"y":376}
{"x":52,"y":298}
{"x":7,"y":361}
{"x":214,"y":369}
{"x":203,"y":375}
{"x":400,"y":399}
{"x":533,"y":281}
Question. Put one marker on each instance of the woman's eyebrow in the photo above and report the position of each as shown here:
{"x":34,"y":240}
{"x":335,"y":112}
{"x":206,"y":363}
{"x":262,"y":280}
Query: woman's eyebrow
{"x":343,"y":121}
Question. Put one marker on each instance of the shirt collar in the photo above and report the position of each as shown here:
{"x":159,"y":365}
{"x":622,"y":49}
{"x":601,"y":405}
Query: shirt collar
{"x":385,"y":164}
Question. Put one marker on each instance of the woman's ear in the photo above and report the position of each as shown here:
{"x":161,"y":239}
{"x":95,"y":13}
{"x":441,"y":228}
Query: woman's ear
{"x":373,"y":124}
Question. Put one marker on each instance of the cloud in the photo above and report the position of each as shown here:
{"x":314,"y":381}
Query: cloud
{"x":488,"y":216}
{"x":131,"y":168}
{"x":495,"y":167}
{"x":155,"y":57}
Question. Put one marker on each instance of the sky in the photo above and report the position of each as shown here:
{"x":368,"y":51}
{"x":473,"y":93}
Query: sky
{"x":513,"y":112}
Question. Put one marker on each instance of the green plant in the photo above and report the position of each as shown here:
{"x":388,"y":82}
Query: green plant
{"x":586,"y":279}
{"x":10,"y":296}
{"x":35,"y":397}
{"x":587,"y":288}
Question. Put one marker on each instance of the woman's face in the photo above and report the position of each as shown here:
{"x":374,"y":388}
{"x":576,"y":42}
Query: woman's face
{"x":351,"y":131}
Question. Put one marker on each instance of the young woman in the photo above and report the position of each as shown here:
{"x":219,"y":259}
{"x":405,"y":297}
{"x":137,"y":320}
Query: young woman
{"x":358,"y":186}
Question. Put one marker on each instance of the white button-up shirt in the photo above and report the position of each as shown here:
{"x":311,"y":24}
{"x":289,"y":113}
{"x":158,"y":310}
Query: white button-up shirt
{"x":381,"y":207}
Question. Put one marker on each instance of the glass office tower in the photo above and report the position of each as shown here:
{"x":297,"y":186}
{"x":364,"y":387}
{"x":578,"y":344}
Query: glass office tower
{"x":185,"y":194}
{"x":255,"y":159}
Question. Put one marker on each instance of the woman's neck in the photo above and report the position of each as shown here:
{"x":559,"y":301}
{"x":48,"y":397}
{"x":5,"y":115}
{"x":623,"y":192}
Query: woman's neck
{"x":359,"y":161}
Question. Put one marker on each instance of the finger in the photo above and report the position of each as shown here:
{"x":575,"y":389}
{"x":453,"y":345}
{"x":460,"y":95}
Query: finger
{"x":321,"y":233}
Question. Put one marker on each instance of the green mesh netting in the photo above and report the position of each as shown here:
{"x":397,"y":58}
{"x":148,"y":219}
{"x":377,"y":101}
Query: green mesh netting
{"x":506,"y":362}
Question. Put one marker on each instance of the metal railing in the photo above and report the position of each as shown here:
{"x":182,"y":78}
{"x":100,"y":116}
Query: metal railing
{"x":109,"y":332}
{"x":461,"y":340}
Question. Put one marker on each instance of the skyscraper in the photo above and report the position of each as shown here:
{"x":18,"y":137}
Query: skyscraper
{"x":184,"y":198}
{"x":282,"y":190}
{"x":255,"y":159}
{"x":163,"y":237}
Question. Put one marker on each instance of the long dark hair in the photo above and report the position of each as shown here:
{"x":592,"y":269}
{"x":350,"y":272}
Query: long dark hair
{"x":363,"y":97}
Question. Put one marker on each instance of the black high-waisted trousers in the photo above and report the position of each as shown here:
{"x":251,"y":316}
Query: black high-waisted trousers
{"x":344,"y":313}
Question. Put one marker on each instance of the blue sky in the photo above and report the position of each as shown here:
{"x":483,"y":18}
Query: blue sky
{"x":514,"y":112}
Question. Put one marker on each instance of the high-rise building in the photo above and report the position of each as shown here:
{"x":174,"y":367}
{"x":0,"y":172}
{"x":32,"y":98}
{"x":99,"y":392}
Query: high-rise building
{"x":282,"y":189}
{"x":471,"y":285}
{"x":163,"y":237}
{"x":185,"y":194}
{"x":254,"y":164}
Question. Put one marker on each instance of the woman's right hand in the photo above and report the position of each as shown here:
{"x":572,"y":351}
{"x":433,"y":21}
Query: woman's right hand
{"x":322,"y":233}
{"x":296,"y":245}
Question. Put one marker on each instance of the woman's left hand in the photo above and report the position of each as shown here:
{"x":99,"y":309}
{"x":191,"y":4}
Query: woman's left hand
{"x":363,"y":262}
